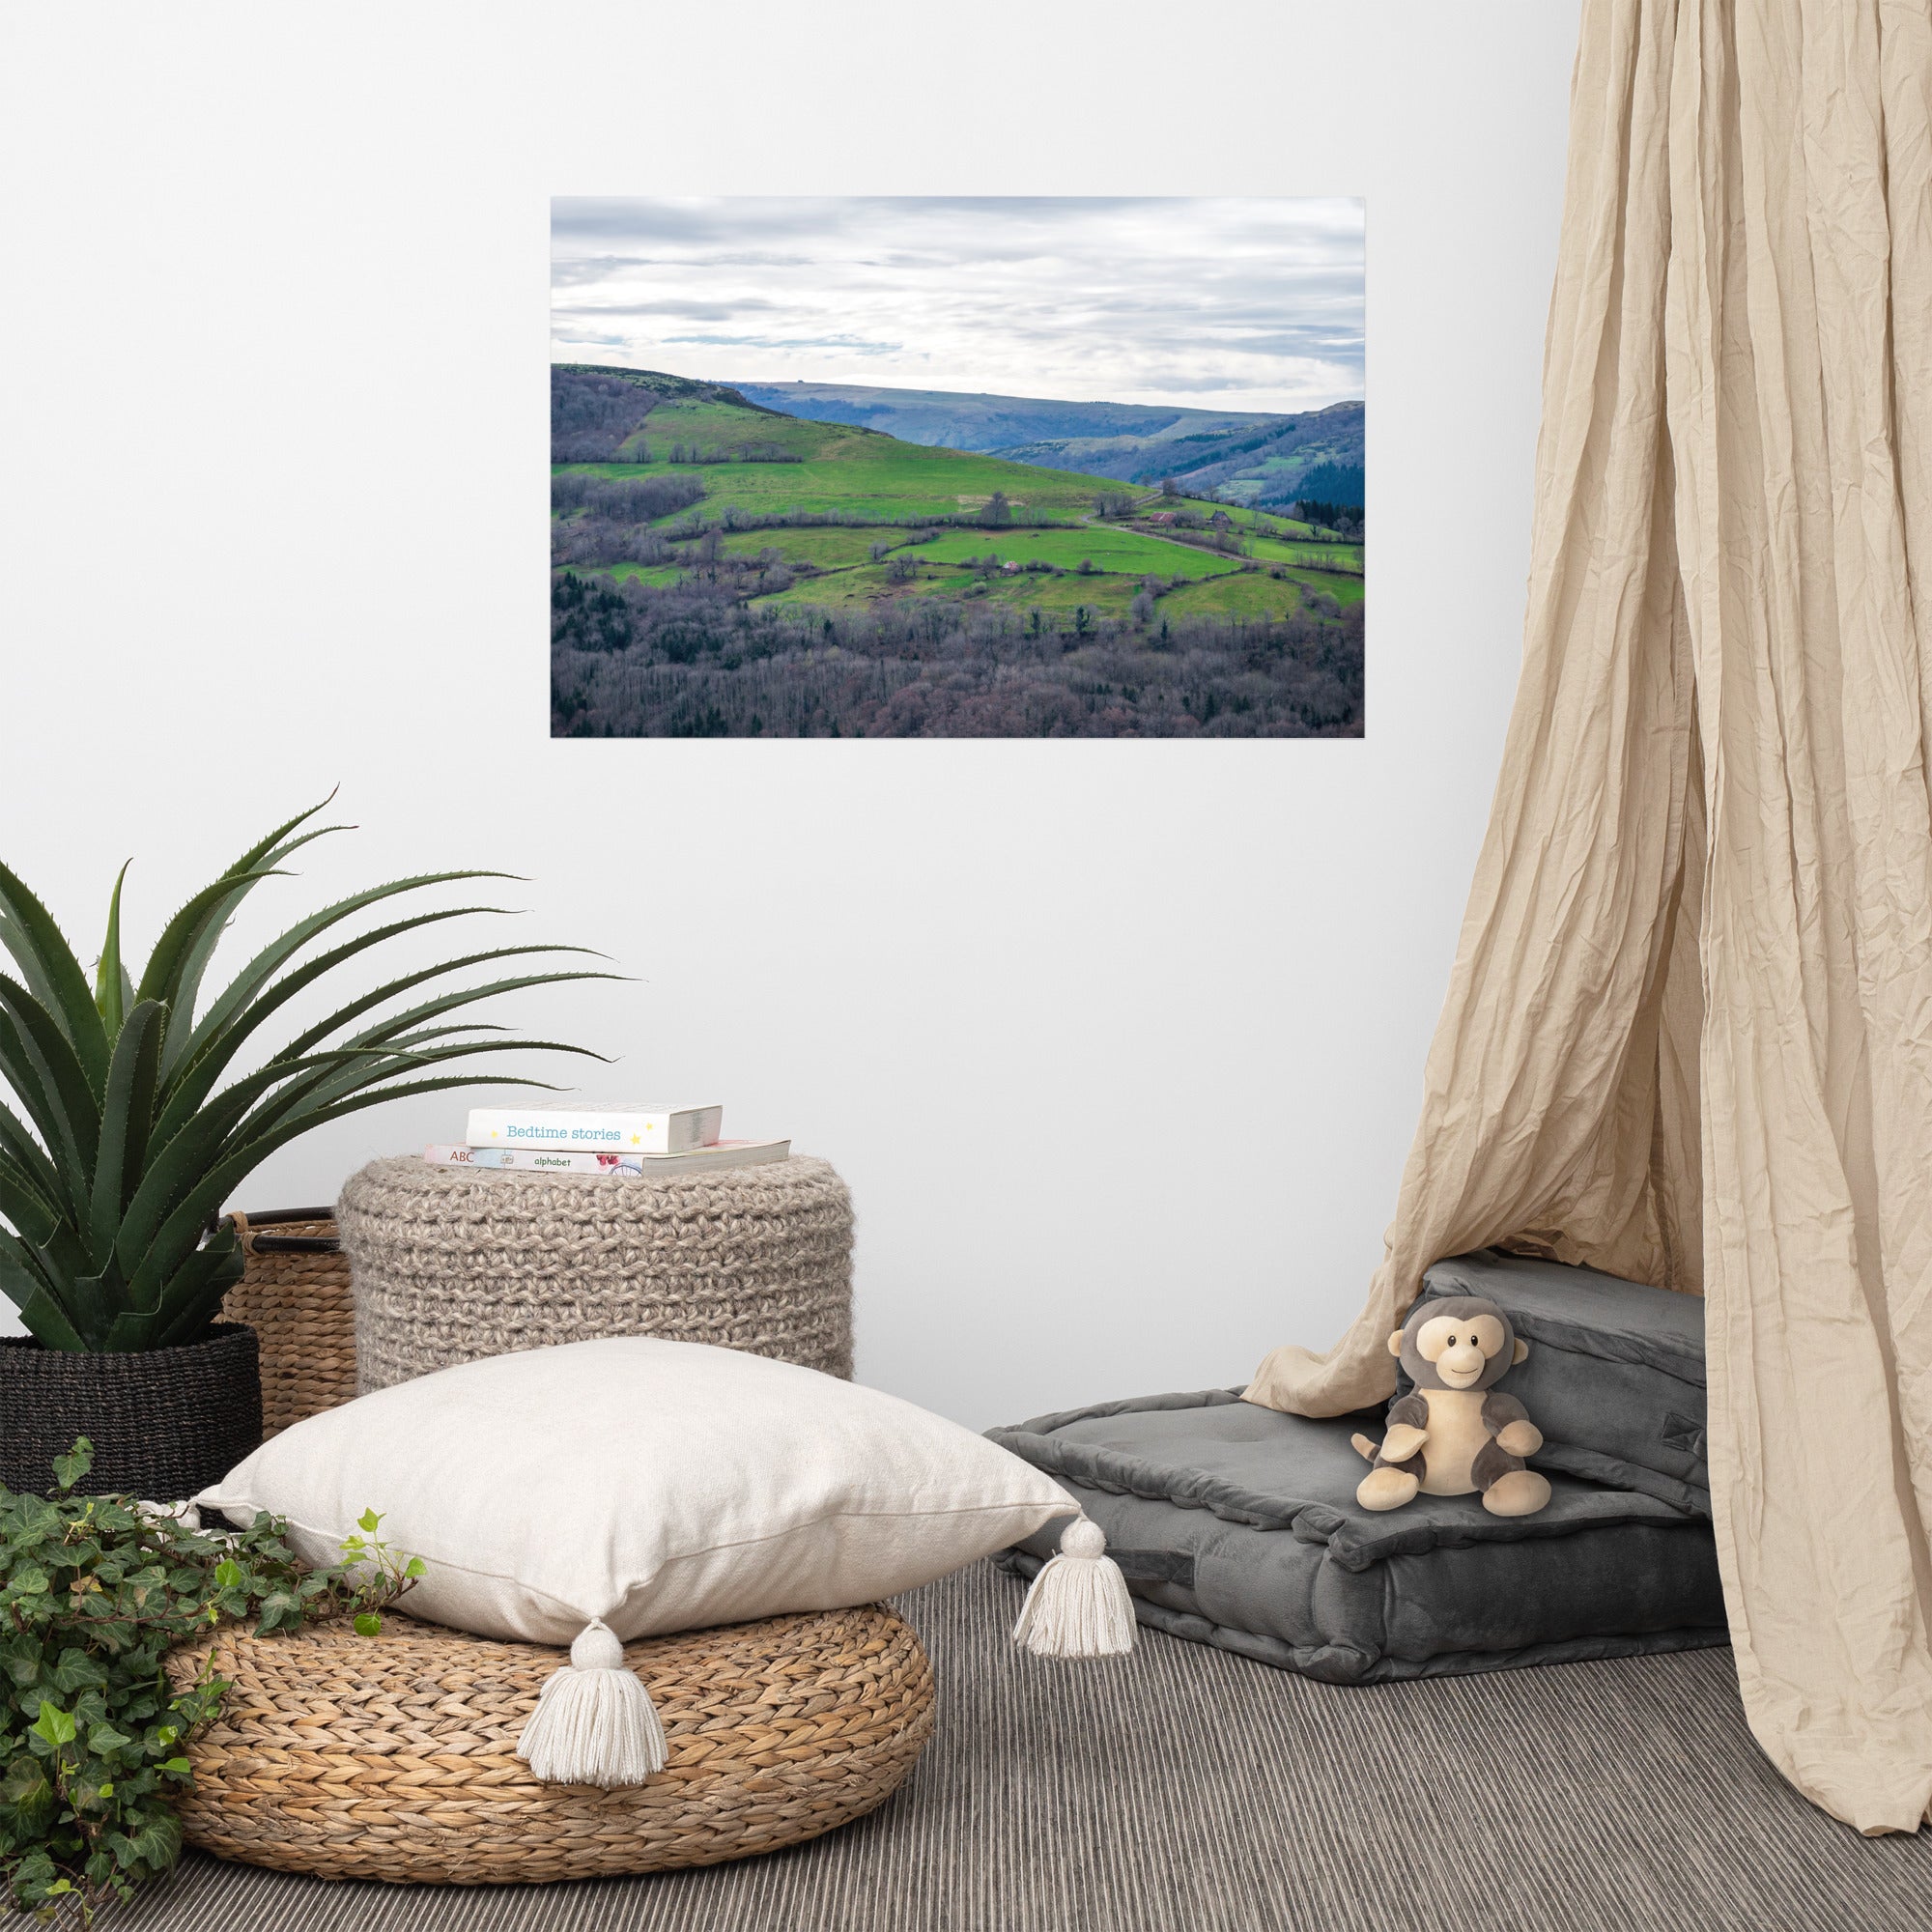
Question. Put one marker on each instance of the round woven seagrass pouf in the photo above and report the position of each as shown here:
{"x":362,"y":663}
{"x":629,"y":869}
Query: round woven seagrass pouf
{"x":394,"y":1757}
{"x":453,"y":1264}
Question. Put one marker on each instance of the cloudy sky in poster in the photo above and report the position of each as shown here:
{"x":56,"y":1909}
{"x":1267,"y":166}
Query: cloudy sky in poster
{"x":1252,"y":303}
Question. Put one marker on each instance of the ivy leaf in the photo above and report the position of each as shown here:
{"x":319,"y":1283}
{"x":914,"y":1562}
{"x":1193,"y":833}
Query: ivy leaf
{"x":415,"y":1567}
{"x":103,"y":1738}
{"x":369,"y":1522}
{"x":279,"y":1606}
{"x":35,"y":1876}
{"x":21,"y":1661}
{"x":53,"y":1725}
{"x":176,"y":1766}
{"x":368,"y":1624}
{"x":24,"y":1783}
{"x":74,"y":1670}
{"x":69,"y":1468}
{"x":228,"y":1573}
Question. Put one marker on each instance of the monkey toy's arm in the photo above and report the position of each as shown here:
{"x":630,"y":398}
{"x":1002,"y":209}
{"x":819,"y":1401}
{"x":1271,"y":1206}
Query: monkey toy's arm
{"x":1508,"y":1421}
{"x":1409,"y":1428}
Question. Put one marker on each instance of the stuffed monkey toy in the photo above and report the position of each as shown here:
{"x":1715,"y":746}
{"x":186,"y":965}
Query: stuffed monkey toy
{"x":1456,"y":1434}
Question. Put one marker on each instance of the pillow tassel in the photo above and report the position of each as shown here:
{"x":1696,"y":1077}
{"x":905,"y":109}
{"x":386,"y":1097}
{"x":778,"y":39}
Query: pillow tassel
{"x":1078,"y":1605}
{"x":594,"y":1723}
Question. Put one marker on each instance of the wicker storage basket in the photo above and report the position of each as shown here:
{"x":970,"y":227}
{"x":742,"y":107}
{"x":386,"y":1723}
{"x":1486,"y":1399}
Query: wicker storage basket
{"x":295,"y":1296}
{"x":394,"y":1757}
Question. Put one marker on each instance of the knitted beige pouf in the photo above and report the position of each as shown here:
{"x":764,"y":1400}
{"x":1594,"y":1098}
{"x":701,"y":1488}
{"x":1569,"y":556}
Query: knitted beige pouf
{"x":394,"y":1757}
{"x":453,"y":1264}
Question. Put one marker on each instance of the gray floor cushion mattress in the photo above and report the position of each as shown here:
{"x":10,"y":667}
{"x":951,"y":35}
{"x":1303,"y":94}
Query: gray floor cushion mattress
{"x":1615,"y":1374}
{"x":1237,"y":1526}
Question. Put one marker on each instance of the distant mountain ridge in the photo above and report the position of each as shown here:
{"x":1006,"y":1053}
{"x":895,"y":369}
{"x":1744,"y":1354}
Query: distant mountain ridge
{"x":1250,"y":456}
{"x":957,"y":419}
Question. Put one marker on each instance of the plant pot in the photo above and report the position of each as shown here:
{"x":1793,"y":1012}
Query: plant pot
{"x":164,"y":1423}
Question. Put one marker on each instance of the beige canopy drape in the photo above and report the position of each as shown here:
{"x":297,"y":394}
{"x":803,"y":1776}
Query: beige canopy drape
{"x":1689,"y":1033}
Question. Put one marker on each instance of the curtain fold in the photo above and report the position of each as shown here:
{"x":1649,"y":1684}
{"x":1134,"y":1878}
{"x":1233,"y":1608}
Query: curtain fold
{"x":1541,"y":1092}
{"x":1689,"y":1031}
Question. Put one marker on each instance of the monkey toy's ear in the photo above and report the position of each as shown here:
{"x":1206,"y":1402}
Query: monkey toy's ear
{"x":1521,"y":1353}
{"x":1395,"y":1342}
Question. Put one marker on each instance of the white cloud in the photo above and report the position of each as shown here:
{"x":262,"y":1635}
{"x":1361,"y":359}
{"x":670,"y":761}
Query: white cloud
{"x":1236,"y":303}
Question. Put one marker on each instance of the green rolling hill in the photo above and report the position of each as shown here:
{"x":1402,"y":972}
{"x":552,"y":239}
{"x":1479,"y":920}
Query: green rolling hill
{"x":1248,"y":456}
{"x":738,"y":551}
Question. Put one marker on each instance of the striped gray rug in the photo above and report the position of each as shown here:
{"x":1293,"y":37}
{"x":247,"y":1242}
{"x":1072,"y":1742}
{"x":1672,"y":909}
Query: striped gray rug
{"x":1189,"y":1791}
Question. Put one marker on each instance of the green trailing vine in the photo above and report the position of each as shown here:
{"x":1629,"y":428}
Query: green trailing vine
{"x":95,"y":1591}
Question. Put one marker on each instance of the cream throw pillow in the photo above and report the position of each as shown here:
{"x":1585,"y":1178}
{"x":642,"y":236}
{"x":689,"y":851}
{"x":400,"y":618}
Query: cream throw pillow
{"x":642,"y":1485}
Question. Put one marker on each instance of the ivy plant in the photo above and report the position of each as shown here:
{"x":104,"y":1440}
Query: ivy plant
{"x":95,"y":1591}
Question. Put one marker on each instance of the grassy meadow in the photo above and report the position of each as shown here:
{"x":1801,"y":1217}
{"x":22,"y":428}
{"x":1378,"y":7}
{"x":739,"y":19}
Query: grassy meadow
{"x":838,"y":468}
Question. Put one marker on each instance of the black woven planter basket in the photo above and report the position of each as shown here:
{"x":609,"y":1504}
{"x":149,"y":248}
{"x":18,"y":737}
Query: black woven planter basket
{"x":164,"y":1423}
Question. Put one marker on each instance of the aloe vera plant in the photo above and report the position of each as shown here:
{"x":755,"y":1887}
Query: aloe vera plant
{"x":124,"y":1141}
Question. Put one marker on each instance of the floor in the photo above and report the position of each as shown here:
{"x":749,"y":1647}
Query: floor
{"x":1184,"y":1790}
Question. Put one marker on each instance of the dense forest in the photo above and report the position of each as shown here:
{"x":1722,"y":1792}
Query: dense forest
{"x":723,"y":570}
{"x":703,"y":661}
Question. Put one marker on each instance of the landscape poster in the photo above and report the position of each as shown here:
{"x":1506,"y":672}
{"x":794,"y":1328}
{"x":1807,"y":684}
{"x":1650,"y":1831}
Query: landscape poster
{"x":1006,"y":466}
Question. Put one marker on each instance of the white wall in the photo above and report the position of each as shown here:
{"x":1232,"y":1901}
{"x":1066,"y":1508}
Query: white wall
{"x":1118,"y":1044}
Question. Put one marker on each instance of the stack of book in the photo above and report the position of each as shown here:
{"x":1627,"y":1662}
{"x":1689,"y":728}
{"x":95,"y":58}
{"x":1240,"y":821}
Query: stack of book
{"x":602,"y":1140}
